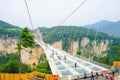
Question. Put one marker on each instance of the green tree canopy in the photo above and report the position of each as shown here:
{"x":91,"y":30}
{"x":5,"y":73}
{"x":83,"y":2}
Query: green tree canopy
{"x":26,"y":40}
{"x":78,"y":52}
{"x":10,"y":67}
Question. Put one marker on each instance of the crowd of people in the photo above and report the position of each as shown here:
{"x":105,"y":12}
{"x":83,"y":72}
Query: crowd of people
{"x":96,"y":76}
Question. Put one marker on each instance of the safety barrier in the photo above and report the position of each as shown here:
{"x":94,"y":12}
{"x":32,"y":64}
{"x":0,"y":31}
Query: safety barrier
{"x":94,"y":62}
{"x":28,"y":76}
{"x":117,"y":63}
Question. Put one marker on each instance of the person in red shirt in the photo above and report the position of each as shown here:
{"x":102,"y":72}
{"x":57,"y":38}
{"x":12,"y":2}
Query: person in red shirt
{"x":111,"y":77}
{"x":96,"y":75}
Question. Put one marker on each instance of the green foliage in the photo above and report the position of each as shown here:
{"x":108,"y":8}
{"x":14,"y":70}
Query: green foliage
{"x":10,"y":67}
{"x":43,"y":67}
{"x":27,"y":39}
{"x":8,"y":30}
{"x":66,"y":44}
{"x":72,"y":33}
{"x":9,"y":64}
{"x":104,"y":60}
{"x":113,"y":55}
{"x":78,"y":52}
{"x":42,"y":57}
{"x":42,"y":70}
{"x":26,"y":68}
{"x":5,"y":58}
{"x":116,"y":41}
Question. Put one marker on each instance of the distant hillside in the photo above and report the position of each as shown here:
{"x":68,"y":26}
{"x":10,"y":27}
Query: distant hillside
{"x":70,"y":32}
{"x":111,"y":28}
{"x":8,"y":30}
{"x":73,"y":33}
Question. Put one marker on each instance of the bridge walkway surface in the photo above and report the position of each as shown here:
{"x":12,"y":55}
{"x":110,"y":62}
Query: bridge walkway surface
{"x":67,"y":66}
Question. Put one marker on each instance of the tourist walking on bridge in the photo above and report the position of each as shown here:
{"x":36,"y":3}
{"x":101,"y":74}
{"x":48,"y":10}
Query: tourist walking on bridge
{"x":111,"y":77}
{"x":78,"y":78}
{"x":65,"y":57}
{"x":92,"y":76}
{"x":106,"y":76}
{"x":85,"y":75}
{"x":75,"y":65}
{"x":96,"y":75}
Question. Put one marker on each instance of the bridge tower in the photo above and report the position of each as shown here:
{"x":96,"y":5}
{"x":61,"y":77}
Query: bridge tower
{"x":38,"y":34}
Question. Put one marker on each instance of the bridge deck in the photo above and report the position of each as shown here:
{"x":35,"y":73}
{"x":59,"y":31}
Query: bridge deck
{"x":66,"y":67}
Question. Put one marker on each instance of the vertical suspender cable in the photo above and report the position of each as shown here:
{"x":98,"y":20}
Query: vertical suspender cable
{"x":87,"y":32}
{"x":98,"y":26}
{"x":97,"y":31}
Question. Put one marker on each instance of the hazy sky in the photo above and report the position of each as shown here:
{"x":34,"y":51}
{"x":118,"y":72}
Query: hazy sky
{"x":48,"y":13}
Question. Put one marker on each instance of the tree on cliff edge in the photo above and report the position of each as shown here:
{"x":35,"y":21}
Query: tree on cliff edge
{"x":26,"y":40}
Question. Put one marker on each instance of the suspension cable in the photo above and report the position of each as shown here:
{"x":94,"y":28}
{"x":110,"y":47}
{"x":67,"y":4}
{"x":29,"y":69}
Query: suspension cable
{"x":30,"y":19}
{"x":72,"y":12}
{"x":28,"y":11}
{"x":68,"y":16}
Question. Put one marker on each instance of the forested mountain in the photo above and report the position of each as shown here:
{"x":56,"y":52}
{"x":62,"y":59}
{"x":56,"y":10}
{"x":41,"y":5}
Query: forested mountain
{"x":70,"y":32}
{"x":112,"y":28}
{"x":8,"y":30}
{"x":74,"y":33}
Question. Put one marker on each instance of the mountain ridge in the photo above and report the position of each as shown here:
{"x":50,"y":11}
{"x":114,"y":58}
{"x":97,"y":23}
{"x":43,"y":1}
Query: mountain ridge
{"x":6,"y":24}
{"x":109,"y":27}
{"x":8,"y":30}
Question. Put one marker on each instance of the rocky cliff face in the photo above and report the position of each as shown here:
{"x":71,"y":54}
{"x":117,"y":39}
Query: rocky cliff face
{"x":99,"y":49}
{"x":9,"y":46}
{"x":33,"y":57}
{"x":74,"y":47}
{"x":87,"y":47}
{"x":58,"y":44}
{"x":84,"y":42}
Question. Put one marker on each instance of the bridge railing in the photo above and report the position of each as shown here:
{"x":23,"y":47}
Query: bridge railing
{"x":28,"y":76}
{"x":97,"y":63}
